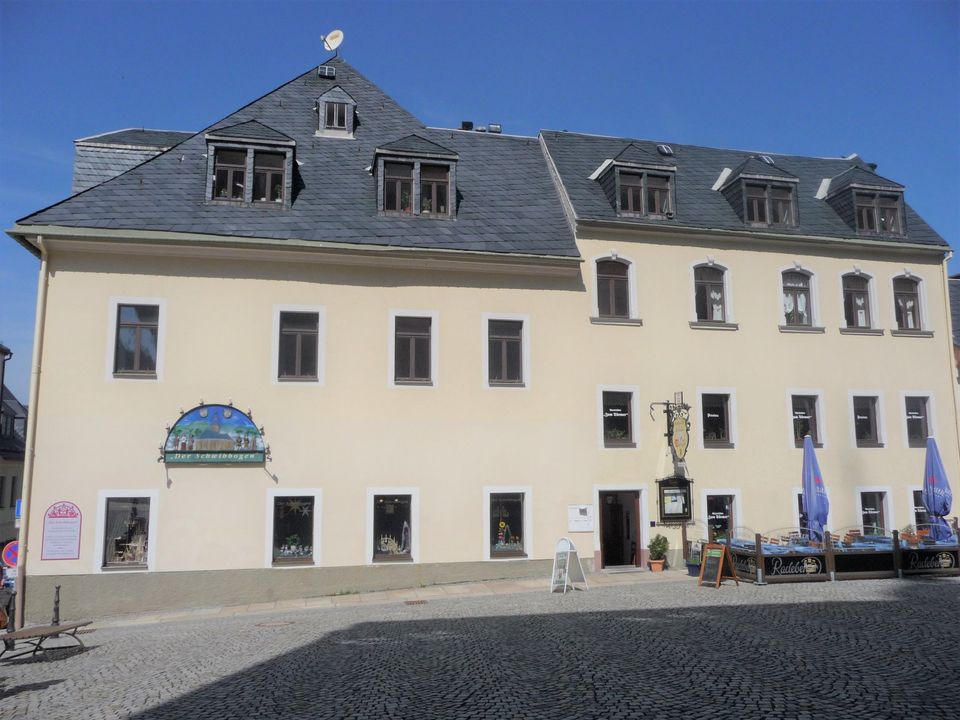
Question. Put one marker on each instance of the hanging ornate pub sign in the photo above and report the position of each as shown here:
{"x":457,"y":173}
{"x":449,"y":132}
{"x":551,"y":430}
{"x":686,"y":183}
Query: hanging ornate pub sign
{"x":680,"y":439}
{"x":214,"y":434}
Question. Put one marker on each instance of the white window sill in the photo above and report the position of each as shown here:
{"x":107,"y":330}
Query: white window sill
{"x":708,"y":325}
{"x":616,"y":321}
{"x":912,"y":333}
{"x":809,"y":329}
{"x":861,"y":331}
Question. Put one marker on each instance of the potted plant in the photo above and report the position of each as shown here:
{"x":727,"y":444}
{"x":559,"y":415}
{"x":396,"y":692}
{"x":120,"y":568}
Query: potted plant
{"x":658,"y":552}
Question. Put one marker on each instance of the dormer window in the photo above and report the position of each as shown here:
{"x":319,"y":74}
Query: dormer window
{"x":398,"y":187}
{"x":644,"y":193}
{"x":417,"y":177}
{"x":768,"y":204}
{"x":878,"y":213}
{"x":229,"y":170}
{"x":268,"y":177}
{"x":336,"y":113}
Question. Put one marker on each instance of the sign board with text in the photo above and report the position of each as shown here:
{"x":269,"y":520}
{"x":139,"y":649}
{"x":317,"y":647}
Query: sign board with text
{"x":62,"y":523}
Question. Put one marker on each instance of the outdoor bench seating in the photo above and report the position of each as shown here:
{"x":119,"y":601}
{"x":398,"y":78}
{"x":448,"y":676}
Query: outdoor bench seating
{"x":34,"y":637}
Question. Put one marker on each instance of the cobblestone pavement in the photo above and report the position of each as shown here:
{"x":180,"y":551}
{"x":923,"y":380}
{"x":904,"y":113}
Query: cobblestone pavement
{"x":658,"y":649}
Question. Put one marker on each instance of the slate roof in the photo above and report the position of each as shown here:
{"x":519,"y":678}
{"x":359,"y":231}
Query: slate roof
{"x":857,"y":175}
{"x":506,"y":199}
{"x":577,"y":155}
{"x":417,"y":145}
{"x":637,"y":155}
{"x":252,"y":130}
{"x":161,"y":139}
{"x":755,"y":166}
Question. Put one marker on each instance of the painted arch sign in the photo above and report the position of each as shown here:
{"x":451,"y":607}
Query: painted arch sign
{"x":214,"y":434}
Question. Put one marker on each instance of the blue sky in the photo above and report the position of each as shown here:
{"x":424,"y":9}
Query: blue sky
{"x":815,"y":78}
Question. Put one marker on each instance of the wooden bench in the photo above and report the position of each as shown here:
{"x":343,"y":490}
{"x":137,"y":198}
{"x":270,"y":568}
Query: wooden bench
{"x":36,"y":636}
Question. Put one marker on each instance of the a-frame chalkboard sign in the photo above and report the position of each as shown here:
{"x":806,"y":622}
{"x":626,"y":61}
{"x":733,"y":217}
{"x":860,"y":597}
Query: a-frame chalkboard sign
{"x":716,"y":565}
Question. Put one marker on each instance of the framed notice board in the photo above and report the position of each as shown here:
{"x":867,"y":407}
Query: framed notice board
{"x":716,"y":566}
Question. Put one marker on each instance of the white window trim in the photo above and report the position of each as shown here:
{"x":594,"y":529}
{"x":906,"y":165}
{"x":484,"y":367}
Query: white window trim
{"x":434,"y":316}
{"x":921,"y":298}
{"x":881,"y":421}
{"x":731,"y":412}
{"x":634,"y":410}
{"x":871,"y":296}
{"x":815,"y":320}
{"x":644,"y":519}
{"x":728,"y":315}
{"x":112,"y":306}
{"x":527,"y":492}
{"x":414,"y":493}
{"x":737,"y":504}
{"x":931,"y":414}
{"x":152,"y":527}
{"x":887,"y":504}
{"x":321,"y":312}
{"x":910,"y":490}
{"x":524,"y":349}
{"x":634,"y":313}
{"x":820,"y":410}
{"x":272,"y":494}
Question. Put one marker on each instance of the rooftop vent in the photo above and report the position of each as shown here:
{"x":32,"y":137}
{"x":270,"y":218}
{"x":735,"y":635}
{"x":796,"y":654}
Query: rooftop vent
{"x":466,"y":125}
{"x":496,"y":128}
{"x":767,"y":159}
{"x":665,"y":149}
{"x":326,"y":71}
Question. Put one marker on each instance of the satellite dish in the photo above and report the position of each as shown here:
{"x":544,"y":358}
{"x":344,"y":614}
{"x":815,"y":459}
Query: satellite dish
{"x":332,"y":41}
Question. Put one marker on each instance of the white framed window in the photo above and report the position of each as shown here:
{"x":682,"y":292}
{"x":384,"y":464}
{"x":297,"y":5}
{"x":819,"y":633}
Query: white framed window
{"x":799,"y":300}
{"x":875,"y":511}
{"x":798,"y":517}
{"x":615,"y":289}
{"x":413,"y":348}
{"x":506,"y":350}
{"x":721,"y":510}
{"x":806,"y":413}
{"x":298,"y":345}
{"x":918,"y":513}
{"x":126,"y":531}
{"x":711,"y":297}
{"x":511,"y":505}
{"x":136,"y":339}
{"x":393,"y":525}
{"x":618,"y":416}
{"x":867,"y":425}
{"x":909,"y":311}
{"x":293,"y":524}
{"x":918,"y":412}
{"x":716,"y":416}
{"x":858,"y":297}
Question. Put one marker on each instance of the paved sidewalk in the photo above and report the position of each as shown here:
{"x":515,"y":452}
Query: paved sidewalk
{"x":431,"y":592}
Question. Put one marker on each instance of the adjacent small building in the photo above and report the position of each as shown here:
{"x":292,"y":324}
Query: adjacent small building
{"x":320,"y":347}
{"x":13,"y":417}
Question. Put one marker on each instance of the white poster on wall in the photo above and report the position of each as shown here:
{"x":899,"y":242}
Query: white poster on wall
{"x":61,"y":532}
{"x":579,"y":518}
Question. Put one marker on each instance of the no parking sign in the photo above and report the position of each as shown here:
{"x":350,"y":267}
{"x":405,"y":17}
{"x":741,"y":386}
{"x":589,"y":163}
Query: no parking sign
{"x":11,"y":552}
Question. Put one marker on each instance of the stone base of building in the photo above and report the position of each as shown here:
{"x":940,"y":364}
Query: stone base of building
{"x":94,"y":596}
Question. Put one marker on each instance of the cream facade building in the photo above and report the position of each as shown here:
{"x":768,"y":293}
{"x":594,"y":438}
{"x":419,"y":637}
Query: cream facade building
{"x":452,"y":340}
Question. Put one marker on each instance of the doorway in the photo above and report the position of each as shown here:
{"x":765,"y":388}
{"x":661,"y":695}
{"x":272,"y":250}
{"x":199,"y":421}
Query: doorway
{"x":720,"y":520}
{"x":620,"y":529}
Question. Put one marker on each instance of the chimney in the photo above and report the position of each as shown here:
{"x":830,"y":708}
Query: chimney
{"x":466,"y":125}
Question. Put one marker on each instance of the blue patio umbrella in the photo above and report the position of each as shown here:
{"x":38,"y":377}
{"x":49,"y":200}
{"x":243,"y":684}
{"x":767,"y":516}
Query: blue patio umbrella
{"x":816,"y":506}
{"x":937,"y":497}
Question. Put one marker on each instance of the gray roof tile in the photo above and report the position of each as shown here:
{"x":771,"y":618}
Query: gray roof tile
{"x":160,"y":139}
{"x":251,"y":129}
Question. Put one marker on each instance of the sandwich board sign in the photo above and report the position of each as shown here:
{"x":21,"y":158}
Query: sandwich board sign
{"x":567,"y":570}
{"x":717,"y":566}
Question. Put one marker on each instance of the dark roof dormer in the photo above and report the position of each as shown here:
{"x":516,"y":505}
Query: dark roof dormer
{"x":250,"y":164}
{"x":336,"y":113}
{"x":870,"y":204}
{"x":638,"y":183}
{"x":761,"y":193}
{"x":416,"y":176}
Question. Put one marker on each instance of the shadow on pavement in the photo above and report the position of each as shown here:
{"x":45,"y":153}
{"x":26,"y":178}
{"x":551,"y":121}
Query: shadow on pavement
{"x":891,"y":658}
{"x":17,"y":689}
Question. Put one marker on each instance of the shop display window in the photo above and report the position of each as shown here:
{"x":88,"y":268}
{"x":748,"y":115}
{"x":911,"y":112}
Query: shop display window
{"x":126,"y":532}
{"x":506,"y":525}
{"x":617,"y":425}
{"x":293,"y":518}
{"x":391,"y":528}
